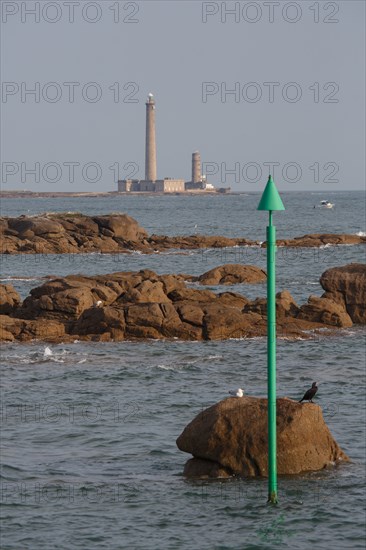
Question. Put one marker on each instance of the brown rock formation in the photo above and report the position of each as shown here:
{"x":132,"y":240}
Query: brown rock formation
{"x":162,"y":242}
{"x":230,"y":274}
{"x":117,"y":233}
{"x":24,"y":330}
{"x":146,"y":305}
{"x":321,"y":239}
{"x":139,"y":305}
{"x":9,"y":299}
{"x":70,"y":233}
{"x":347,"y":287}
{"x":230,"y":438}
{"x":285,"y":305}
{"x":323,"y":310}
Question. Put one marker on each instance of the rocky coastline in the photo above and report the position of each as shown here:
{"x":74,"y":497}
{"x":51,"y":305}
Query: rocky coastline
{"x":75,"y":233}
{"x":145,"y":305}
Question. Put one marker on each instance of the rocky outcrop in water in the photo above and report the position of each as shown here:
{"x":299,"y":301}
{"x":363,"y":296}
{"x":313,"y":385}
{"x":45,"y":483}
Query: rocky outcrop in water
{"x":9,"y":299}
{"x":231,"y":274}
{"x":347,"y":287}
{"x":72,"y":233}
{"x":323,"y":310}
{"x":129,"y":305}
{"x":142,"y":304}
{"x":230,"y":438}
{"x":322,"y":239}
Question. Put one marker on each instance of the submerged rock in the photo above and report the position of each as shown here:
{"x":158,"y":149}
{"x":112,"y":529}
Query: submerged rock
{"x":230,"y":438}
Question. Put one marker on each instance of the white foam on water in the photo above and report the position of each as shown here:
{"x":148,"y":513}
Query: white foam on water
{"x":361,"y":234}
{"x":10,"y":278}
{"x":165,"y":367}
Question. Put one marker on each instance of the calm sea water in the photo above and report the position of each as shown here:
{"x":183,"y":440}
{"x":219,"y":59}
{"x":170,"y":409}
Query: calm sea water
{"x":89,"y":458}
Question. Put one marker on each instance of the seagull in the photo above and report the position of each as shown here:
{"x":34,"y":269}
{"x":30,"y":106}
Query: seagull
{"x":236,"y":393}
{"x":310,"y":393}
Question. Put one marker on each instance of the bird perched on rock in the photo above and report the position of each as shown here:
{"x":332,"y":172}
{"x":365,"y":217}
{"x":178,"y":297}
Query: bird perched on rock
{"x":236,"y":393}
{"x":310,"y":393}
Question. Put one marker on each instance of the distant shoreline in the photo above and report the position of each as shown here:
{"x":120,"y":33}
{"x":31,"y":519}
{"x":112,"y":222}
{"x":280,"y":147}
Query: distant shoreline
{"x":76,"y":194}
{"x":57,"y":194}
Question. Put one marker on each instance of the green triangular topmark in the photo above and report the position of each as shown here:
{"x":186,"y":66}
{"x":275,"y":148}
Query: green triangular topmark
{"x":270,"y":199}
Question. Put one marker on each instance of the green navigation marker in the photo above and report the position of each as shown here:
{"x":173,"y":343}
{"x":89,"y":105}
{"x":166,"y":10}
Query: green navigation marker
{"x":270,"y":201}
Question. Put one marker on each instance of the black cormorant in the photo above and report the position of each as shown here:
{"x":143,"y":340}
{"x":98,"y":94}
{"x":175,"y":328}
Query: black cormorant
{"x":310,"y":393}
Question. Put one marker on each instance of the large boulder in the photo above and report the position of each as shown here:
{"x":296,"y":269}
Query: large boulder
{"x":159,"y":321}
{"x":192,"y":295}
{"x":346,"y":286}
{"x":9,"y":299}
{"x":101,"y":323}
{"x":230,"y":274}
{"x":323,"y":310}
{"x":121,"y":226}
{"x":40,"y":226}
{"x":231,"y":438}
{"x":222,"y":322}
{"x":285,"y":305}
{"x":67,"y":298}
{"x":24,"y":330}
{"x":146,"y":292}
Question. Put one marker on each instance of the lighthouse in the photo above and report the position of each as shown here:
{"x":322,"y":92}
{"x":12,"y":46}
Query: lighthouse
{"x":151,"y":183}
{"x":150,"y":145}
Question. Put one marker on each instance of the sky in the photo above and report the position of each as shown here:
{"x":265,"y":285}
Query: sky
{"x":256,"y":87}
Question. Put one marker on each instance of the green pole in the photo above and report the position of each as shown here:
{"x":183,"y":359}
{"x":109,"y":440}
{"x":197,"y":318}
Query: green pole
{"x":271,"y":360}
{"x":271,"y":201}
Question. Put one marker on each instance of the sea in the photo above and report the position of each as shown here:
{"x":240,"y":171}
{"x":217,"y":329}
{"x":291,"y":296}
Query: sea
{"x":89,"y":455}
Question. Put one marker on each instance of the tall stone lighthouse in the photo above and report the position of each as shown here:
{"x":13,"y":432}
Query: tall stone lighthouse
{"x":166,"y":185}
{"x":150,"y":145}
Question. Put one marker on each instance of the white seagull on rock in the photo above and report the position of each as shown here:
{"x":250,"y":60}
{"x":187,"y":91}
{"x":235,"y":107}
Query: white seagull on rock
{"x":236,"y":393}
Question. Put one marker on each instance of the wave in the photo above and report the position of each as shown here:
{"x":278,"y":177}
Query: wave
{"x":11,"y":278}
{"x":46,"y":354}
{"x":361,"y":234}
{"x":185,"y":365}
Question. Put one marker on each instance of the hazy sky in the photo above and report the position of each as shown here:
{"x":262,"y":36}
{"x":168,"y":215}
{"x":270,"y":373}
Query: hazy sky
{"x":296,"y":72}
